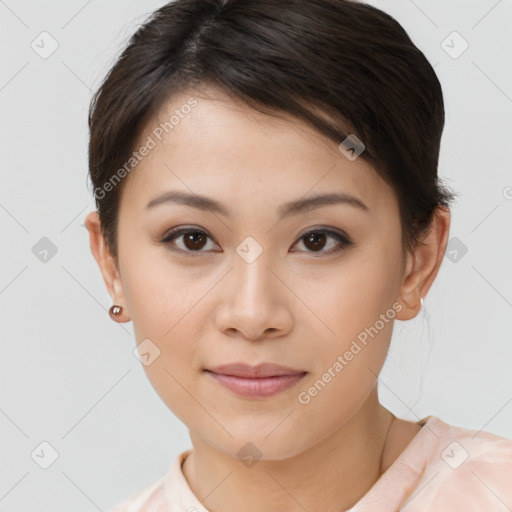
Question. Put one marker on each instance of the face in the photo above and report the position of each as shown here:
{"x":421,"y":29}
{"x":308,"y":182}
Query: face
{"x":312,"y":288}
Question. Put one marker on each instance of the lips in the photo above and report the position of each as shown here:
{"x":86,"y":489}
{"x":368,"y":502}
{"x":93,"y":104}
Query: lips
{"x":253,"y":372}
{"x":262,"y":381}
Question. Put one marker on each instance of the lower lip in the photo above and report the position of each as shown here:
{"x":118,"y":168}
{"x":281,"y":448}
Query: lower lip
{"x":260,"y":387}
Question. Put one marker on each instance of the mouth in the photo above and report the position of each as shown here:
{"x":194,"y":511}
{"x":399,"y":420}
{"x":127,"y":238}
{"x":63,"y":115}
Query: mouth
{"x":260,"y":381}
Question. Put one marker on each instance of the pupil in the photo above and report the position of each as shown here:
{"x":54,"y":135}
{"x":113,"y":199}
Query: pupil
{"x":313,"y":239}
{"x":193,"y":238}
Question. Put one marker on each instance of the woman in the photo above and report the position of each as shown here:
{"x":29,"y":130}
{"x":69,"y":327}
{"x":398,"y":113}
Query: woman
{"x":268,"y":204}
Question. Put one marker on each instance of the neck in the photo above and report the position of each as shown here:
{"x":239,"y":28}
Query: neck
{"x":332,"y":475}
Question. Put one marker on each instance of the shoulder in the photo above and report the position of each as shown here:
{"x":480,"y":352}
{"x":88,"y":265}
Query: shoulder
{"x":465,"y":469}
{"x":150,"y":498}
{"x":169,"y":492}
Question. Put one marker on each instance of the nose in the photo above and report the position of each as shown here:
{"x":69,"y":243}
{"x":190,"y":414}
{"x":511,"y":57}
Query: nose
{"x":254,"y":302}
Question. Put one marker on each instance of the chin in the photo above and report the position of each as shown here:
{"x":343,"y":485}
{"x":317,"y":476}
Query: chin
{"x":253,"y":446}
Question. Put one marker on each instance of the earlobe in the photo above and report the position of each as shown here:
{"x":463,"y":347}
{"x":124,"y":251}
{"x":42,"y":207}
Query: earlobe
{"x":423,"y":265}
{"x":107,"y":264}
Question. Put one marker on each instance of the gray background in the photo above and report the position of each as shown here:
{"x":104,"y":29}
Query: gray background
{"x":68,"y":374}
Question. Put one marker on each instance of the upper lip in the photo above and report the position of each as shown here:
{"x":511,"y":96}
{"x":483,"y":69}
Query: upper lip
{"x":261,"y":370}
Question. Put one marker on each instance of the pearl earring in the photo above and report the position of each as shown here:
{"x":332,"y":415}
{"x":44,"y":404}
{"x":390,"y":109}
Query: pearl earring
{"x":115,"y":311}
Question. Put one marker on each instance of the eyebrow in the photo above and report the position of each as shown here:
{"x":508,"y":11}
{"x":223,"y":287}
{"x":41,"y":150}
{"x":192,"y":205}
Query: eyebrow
{"x":291,"y":208}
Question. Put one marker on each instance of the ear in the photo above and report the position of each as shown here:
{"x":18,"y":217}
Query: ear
{"x":423,"y":264}
{"x":107,"y":263}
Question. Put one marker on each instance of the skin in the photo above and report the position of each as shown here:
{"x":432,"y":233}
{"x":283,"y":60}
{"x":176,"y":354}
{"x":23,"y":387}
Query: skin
{"x":294,"y":305}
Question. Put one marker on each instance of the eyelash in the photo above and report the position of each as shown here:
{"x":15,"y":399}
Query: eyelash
{"x":177,"y":232}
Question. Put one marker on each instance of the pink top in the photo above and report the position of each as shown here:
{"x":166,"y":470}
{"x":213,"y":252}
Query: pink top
{"x":444,"y":468}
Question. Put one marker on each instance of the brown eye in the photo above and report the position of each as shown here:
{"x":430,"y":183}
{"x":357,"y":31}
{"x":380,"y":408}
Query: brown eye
{"x":192,"y":240}
{"x":317,"y":240}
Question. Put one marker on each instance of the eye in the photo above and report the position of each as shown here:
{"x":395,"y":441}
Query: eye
{"x":193,"y":240}
{"x":315,"y":240}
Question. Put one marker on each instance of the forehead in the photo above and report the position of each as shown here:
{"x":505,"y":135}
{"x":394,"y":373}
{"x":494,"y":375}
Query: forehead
{"x":207,"y":143}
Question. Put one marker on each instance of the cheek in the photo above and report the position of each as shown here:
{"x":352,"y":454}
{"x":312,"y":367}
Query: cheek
{"x":357,"y":313}
{"x":166,"y":312}
{"x":164,"y":301}
{"x":347,"y":362}
{"x":353,"y":298}
{"x":360,"y":326}
{"x":159,"y":292}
